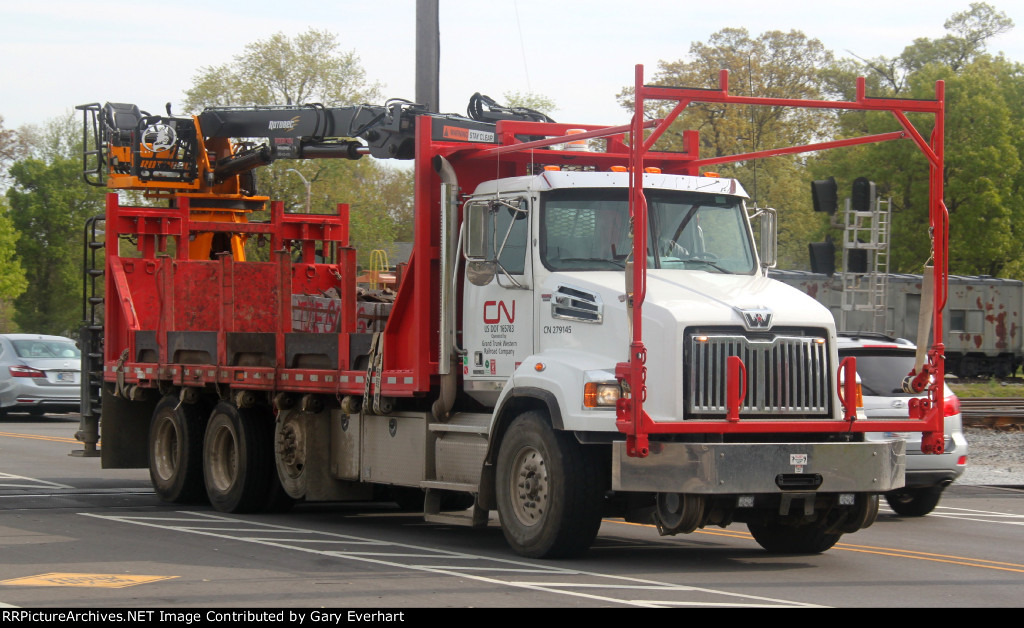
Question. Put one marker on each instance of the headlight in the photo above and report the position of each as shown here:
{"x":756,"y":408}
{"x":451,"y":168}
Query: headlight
{"x":600,"y":394}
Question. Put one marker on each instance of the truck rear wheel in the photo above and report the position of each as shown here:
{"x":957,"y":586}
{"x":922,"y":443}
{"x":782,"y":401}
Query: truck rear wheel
{"x":176,"y":451}
{"x":809,"y":538}
{"x":238,"y":460}
{"x":549,"y":490}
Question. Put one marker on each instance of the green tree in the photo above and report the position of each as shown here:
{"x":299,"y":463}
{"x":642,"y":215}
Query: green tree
{"x":530,"y":100}
{"x":49,"y":203}
{"x":311,"y":67}
{"x":966,"y":39}
{"x":380,"y":198}
{"x":12,"y":146}
{"x":8,"y":143}
{"x":774,"y":64}
{"x":984,"y":149}
{"x":12,"y":274}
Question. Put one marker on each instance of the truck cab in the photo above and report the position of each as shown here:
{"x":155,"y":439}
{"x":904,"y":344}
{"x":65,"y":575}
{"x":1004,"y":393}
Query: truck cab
{"x":545,"y":298}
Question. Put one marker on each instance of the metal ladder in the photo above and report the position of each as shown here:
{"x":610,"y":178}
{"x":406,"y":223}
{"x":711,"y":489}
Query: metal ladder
{"x":866,"y":291}
{"x":91,"y":336}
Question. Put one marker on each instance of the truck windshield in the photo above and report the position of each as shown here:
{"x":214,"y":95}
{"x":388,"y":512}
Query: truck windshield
{"x":588,"y":229}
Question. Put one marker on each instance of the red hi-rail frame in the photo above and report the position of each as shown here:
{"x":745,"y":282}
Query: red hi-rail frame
{"x":926,"y":415}
{"x":159,"y":295}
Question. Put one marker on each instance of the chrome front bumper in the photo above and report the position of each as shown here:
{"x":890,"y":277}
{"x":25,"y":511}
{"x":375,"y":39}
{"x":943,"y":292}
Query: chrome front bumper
{"x":752,"y":468}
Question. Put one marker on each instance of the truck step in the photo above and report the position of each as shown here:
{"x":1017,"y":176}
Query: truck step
{"x":473,"y":516}
{"x":466,"y":519}
{"x":465,"y":422}
{"x":448,"y":486}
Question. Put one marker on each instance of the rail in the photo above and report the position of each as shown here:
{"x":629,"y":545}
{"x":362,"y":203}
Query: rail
{"x":997,"y":412}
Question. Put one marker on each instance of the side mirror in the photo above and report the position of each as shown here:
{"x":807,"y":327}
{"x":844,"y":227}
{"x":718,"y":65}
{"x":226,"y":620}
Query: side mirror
{"x":474,"y":246}
{"x":769,"y":245}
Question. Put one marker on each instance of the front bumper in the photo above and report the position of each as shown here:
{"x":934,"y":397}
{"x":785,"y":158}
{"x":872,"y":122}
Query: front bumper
{"x":48,"y":404}
{"x":755,"y":468}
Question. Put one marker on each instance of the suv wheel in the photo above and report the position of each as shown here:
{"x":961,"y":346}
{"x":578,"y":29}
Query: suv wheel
{"x":914,"y":502}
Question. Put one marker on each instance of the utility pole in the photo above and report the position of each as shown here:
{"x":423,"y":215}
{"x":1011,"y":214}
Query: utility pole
{"x":428,"y":54}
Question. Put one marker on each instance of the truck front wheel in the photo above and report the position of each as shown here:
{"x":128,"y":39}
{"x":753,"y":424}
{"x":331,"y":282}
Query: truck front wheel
{"x":238,"y":460}
{"x":549,"y":490}
{"x":176,"y":451}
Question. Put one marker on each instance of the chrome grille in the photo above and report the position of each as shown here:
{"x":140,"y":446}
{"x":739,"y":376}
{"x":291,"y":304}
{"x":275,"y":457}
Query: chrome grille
{"x":785,"y":375}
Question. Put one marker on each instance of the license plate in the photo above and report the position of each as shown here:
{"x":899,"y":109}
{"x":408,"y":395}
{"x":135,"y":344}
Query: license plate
{"x":903,"y":435}
{"x":66,"y":377}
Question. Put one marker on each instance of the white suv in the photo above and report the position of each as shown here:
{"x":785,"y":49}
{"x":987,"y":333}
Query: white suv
{"x":882,"y":364}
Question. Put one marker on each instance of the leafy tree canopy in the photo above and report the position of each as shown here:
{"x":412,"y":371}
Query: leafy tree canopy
{"x":775,"y":64}
{"x":984,"y":135}
{"x":984,"y":148}
{"x":49,"y":204}
{"x":12,"y":274}
{"x":311,"y":67}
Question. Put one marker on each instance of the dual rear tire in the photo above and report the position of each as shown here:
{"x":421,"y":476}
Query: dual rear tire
{"x":227,"y":459}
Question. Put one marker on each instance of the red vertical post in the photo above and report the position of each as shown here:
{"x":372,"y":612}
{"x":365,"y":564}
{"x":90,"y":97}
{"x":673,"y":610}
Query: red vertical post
{"x":847,"y":377}
{"x":343,"y":209}
{"x":182,"y":249}
{"x":227,"y":305}
{"x":933,"y":441}
{"x":165,"y":288}
{"x":637,"y":443}
{"x":284,"y":294}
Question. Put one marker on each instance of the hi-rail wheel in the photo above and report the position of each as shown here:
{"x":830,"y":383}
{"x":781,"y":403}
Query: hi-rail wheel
{"x":779,"y":538}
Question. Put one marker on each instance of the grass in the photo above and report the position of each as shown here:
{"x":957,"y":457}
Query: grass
{"x":987,"y":388}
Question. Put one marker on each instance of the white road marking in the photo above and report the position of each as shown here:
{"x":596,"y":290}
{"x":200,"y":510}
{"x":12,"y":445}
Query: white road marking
{"x":588,"y":585}
{"x":8,"y":480}
{"x":980,"y":516}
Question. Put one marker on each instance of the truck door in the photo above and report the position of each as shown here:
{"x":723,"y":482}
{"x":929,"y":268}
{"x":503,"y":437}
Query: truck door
{"x":497,"y":318}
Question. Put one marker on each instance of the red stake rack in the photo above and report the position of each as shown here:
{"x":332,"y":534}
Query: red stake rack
{"x":926,"y":415}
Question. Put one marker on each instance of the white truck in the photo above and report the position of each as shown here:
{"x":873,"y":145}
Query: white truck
{"x":580,"y":332}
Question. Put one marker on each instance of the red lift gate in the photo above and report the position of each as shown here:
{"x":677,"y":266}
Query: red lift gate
{"x":927,"y":415}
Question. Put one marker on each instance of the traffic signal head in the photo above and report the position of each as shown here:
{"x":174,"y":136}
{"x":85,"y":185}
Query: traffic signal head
{"x":863,"y":197}
{"x":823,"y":257}
{"x":825,"y":195}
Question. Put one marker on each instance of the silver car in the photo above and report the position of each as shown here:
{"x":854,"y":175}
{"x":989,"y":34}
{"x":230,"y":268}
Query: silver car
{"x":39,"y":374}
{"x":882,"y":364}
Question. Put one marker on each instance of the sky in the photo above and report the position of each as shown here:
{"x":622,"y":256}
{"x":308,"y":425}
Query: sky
{"x":56,"y":54}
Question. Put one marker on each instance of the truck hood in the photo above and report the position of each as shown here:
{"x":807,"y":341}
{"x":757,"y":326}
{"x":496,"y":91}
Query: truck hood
{"x":676,"y":301}
{"x":699,"y":298}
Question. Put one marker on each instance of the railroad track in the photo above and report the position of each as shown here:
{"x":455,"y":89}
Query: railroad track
{"x":997,"y":412}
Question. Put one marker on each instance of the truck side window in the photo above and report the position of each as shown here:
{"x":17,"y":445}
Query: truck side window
{"x":510,"y":250}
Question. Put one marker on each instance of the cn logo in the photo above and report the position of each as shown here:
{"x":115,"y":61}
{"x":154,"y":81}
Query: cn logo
{"x":757,"y":319}
{"x":493,"y":311}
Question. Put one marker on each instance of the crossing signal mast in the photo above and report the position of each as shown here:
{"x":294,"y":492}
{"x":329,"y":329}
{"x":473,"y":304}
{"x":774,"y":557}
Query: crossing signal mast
{"x":865,"y":254}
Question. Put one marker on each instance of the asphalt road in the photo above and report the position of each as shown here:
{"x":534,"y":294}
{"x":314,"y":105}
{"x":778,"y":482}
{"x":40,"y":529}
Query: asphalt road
{"x":74,"y":535}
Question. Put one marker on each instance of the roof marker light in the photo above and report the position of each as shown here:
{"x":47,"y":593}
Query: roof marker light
{"x":576,"y":145}
{"x":711,"y":174}
{"x":652,"y":170}
{"x":552,"y":168}
{"x":618,"y":169}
